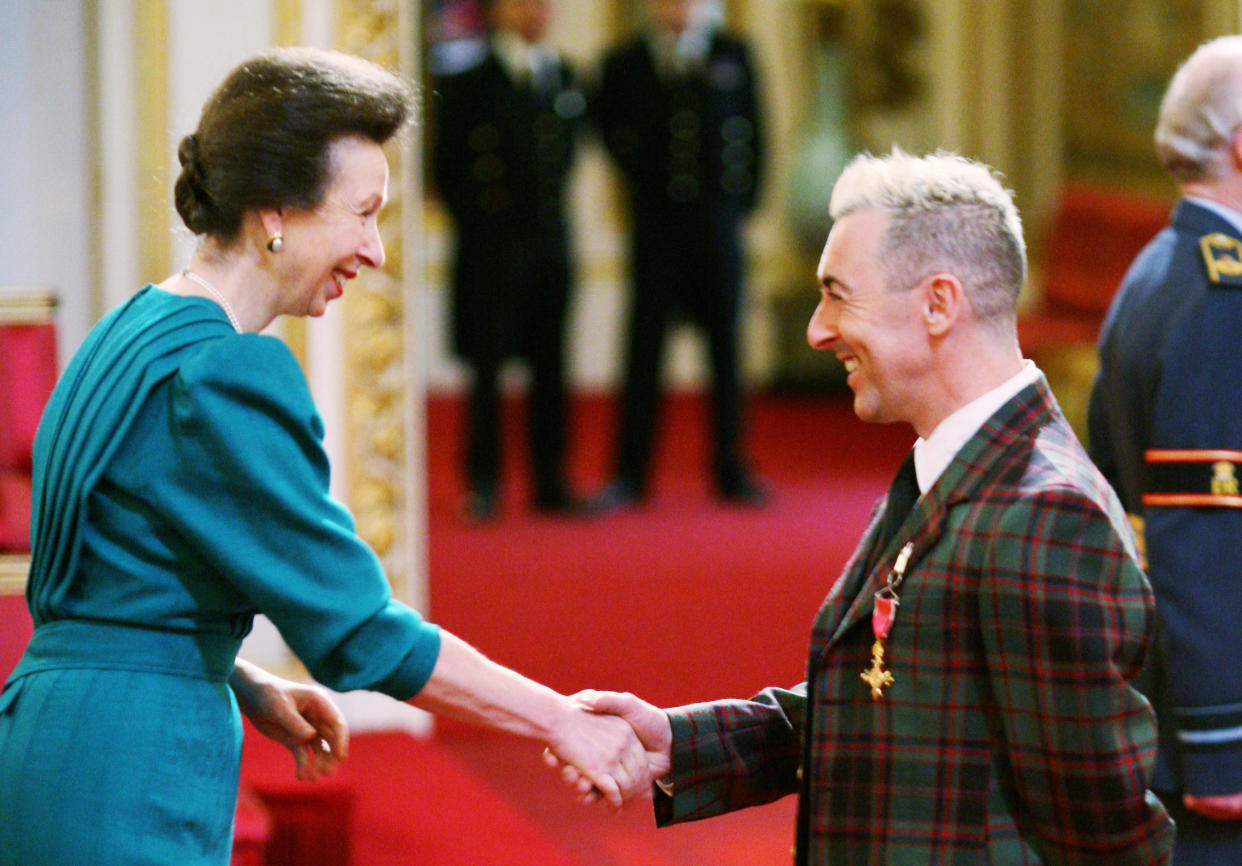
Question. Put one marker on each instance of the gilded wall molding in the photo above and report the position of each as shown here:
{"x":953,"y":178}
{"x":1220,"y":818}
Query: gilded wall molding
{"x":286,"y":17}
{"x":13,"y":569}
{"x":379,"y":429}
{"x":151,"y":82}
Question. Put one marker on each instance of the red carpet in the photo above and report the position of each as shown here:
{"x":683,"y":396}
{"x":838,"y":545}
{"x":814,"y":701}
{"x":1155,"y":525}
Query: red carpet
{"x":681,"y":600}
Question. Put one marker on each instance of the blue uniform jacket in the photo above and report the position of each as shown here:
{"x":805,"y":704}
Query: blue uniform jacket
{"x":1166,"y":429}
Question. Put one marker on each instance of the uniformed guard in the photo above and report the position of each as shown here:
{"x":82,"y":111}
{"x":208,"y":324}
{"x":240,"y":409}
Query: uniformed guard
{"x":678,"y":111}
{"x":1165,"y":426}
{"x":504,"y":144}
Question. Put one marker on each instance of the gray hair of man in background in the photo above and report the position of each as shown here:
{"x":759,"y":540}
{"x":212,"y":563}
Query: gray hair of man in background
{"x":1201,"y":111}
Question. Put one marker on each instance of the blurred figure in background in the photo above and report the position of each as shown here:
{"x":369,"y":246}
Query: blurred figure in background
{"x":1165,"y":427}
{"x":502,"y":154}
{"x":678,"y":110}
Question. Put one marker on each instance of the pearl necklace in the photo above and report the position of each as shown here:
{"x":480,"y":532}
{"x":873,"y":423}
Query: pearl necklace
{"x":217,"y":296}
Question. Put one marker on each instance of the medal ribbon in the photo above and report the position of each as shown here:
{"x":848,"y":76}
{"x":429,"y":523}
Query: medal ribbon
{"x":882,"y":616}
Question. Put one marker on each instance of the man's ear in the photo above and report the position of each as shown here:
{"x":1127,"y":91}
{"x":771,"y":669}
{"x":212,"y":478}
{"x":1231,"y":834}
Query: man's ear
{"x":944,"y":302}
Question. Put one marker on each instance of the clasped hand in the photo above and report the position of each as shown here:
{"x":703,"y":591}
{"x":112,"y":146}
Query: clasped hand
{"x":299,"y":716}
{"x":625,"y":745}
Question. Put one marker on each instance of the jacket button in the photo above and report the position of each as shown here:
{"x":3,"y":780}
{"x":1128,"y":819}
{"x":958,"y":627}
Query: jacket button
{"x":799,"y":774}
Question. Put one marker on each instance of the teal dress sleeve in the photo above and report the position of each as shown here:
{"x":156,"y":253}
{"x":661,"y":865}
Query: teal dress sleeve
{"x":250,"y":491}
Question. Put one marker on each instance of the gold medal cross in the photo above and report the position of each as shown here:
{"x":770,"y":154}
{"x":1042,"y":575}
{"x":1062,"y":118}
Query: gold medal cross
{"x":876,"y":676}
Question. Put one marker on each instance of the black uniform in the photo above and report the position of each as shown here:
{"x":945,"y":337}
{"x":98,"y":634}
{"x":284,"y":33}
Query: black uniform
{"x":689,"y":146}
{"x":502,"y":154}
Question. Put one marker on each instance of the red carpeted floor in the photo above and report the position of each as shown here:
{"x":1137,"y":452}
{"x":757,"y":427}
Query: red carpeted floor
{"x":681,"y":600}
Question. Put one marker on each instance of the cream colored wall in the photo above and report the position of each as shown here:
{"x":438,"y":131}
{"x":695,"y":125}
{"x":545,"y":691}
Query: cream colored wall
{"x":46,"y":156}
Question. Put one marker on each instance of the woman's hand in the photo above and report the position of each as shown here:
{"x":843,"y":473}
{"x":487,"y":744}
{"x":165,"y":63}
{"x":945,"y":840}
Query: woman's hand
{"x":648,"y":722}
{"x":299,"y":716}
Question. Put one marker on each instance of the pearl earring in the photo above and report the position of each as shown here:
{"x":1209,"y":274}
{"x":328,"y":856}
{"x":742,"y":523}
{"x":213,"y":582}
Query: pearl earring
{"x":275,"y":243}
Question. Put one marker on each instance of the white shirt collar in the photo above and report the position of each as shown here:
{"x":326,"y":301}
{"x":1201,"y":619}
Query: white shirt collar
{"x":521,"y":59}
{"x":933,"y":454}
{"x":680,"y":52}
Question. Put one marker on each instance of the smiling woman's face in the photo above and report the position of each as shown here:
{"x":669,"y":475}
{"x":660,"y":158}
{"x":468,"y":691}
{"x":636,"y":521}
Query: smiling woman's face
{"x":328,"y":245}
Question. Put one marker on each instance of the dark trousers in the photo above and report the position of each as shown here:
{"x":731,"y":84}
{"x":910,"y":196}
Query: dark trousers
{"x":512,"y":299}
{"x":545,"y":421}
{"x":684,"y":266}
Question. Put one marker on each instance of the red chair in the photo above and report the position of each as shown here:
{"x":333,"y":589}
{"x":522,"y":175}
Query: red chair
{"x":252,"y":831}
{"x":310,"y":824}
{"x":1094,"y":235}
{"x":28,"y":371}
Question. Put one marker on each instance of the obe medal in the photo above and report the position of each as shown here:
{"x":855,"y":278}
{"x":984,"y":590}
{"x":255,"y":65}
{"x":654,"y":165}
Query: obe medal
{"x":882,"y":615}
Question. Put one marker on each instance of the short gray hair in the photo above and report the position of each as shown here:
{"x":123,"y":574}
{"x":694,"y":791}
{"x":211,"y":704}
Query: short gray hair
{"x":1200,"y":111}
{"x":946,"y":213}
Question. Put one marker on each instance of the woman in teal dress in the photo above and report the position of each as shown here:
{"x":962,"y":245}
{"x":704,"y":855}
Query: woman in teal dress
{"x":181,"y":487}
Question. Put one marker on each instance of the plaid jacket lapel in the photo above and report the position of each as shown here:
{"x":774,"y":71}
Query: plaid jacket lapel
{"x":853,"y":596}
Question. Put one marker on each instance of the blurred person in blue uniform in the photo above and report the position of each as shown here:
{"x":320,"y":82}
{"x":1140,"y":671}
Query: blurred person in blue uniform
{"x":678,"y":109}
{"x":1165,"y":427}
{"x":503,"y":150}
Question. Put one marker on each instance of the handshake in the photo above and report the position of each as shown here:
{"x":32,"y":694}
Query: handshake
{"x":613,"y":746}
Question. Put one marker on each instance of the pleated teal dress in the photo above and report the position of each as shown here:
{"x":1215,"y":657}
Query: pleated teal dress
{"x":180,"y":487}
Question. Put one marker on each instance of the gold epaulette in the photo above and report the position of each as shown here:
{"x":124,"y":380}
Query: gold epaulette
{"x":1140,"y":537}
{"x":1222,"y":255}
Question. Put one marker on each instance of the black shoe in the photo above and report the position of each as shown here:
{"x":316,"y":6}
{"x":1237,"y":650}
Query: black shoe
{"x":557,"y":499}
{"x":480,"y":506}
{"x":616,"y":496}
{"x":743,"y":489}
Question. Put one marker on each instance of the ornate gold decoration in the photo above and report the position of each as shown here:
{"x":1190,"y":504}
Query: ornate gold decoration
{"x":1140,"y":538}
{"x":151,"y":81}
{"x":377,"y":369}
{"x":1224,"y":479}
{"x":27,"y":306}
{"x":13,"y":571}
{"x":287,"y":30}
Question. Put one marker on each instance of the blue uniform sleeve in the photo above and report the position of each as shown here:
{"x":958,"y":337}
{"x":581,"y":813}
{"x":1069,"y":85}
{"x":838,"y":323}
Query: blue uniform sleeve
{"x":1194,"y":551}
{"x":254,"y":499}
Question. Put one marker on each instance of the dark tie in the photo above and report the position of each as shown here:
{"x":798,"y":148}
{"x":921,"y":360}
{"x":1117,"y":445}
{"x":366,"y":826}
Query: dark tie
{"x":901,"y":498}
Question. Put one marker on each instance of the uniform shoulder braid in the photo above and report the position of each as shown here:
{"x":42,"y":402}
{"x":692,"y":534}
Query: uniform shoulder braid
{"x":1222,"y":256}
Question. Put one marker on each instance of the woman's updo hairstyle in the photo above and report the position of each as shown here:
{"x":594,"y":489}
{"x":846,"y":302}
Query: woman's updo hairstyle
{"x":262,"y":140}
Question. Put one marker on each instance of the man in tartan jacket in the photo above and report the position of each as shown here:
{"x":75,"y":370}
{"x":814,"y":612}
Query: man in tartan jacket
{"x":997,"y":722}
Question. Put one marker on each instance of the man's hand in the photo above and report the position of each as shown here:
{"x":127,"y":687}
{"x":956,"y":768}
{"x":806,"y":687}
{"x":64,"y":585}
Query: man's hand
{"x":1222,"y":807}
{"x":299,"y":716}
{"x":604,"y":754}
{"x":649,"y":724}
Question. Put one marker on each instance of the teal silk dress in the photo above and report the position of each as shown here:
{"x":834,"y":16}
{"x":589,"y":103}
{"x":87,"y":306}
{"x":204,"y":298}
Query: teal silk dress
{"x":180,"y":487}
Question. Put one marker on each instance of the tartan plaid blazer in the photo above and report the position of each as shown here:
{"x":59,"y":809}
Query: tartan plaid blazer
{"x":1012,"y":733}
